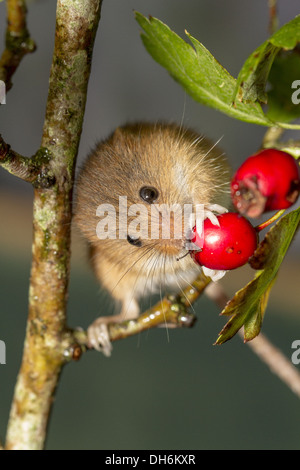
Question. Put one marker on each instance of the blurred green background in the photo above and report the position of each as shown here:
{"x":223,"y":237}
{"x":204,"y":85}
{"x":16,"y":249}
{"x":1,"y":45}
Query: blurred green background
{"x":154,"y":392}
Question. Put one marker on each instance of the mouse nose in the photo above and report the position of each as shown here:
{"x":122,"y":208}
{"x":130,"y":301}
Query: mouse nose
{"x":168,"y":228}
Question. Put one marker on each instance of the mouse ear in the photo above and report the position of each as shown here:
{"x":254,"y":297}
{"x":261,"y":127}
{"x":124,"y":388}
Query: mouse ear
{"x":118,"y":134}
{"x":121,"y":133}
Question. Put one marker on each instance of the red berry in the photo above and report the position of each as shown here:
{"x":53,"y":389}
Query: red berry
{"x":227,"y":246}
{"x":268,"y":180}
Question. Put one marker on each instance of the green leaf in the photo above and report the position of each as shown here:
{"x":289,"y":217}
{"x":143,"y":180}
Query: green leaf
{"x":280,"y":105}
{"x":288,"y":36}
{"x":253,"y":322}
{"x":252,"y":79}
{"x":200,"y":74}
{"x":248,"y":306}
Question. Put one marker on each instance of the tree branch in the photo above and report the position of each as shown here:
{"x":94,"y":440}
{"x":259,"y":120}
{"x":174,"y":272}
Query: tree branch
{"x":276,"y":361}
{"x":47,"y":337}
{"x":171,"y":311}
{"x":18,"y":42}
{"x":35,"y":170}
{"x":264,"y":349}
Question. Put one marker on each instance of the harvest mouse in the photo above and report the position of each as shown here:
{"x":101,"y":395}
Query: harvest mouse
{"x":131,"y":189}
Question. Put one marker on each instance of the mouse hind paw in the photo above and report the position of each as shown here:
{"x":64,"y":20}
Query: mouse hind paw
{"x":98,"y":337}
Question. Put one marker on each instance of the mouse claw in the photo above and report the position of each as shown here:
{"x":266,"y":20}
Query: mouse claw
{"x":213,"y":273}
{"x":98,"y":337}
{"x":216,"y":208}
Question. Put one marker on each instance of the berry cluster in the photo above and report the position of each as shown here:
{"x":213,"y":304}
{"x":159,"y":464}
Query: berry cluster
{"x":268,"y":180}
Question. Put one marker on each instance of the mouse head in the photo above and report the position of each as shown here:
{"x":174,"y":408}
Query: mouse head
{"x":141,"y":186}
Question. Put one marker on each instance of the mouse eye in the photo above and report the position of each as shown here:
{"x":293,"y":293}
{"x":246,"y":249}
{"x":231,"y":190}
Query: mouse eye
{"x":134,"y":241}
{"x":149,"y":194}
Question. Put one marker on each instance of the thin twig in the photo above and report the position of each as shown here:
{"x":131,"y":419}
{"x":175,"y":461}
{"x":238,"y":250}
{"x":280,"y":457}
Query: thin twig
{"x":273,"y":16}
{"x":263,"y":348}
{"x":171,"y":310}
{"x":34,"y":170}
{"x":276,"y":361}
{"x":272,"y":137}
{"x":289,"y":146}
{"x":18,"y":41}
